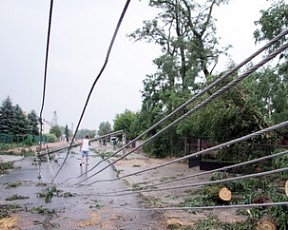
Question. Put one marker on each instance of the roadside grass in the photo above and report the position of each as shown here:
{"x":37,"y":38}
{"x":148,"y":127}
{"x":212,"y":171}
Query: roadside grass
{"x":7,"y":209}
{"x":13,"y":184}
{"x":5,"y":166}
{"x":164,"y":178}
{"x":16,"y":197}
{"x":41,"y":184}
{"x":246,"y":191}
{"x":42,"y":210}
{"x":104,"y":155}
{"x":51,"y":192}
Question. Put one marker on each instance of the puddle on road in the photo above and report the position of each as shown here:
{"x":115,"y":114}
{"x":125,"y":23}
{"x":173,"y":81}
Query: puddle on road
{"x":83,"y":208}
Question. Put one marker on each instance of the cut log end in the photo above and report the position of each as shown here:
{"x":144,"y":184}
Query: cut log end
{"x":286,"y":187}
{"x":266,"y":223}
{"x":225,"y":194}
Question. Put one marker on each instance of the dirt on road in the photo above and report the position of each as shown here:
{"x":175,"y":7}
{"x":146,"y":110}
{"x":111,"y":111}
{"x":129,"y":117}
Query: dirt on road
{"x":170,"y":197}
{"x":164,"y":198}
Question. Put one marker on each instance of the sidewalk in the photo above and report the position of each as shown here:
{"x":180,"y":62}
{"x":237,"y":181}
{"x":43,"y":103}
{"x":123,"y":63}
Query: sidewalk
{"x":18,"y":155}
{"x":10,"y":158}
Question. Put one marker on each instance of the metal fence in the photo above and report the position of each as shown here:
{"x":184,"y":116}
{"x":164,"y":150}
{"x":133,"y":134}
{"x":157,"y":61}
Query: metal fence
{"x":7,"y":140}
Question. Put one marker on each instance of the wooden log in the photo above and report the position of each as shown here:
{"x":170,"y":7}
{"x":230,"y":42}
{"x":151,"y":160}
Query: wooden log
{"x":219,"y":193}
{"x":286,"y":187}
{"x":266,"y":223}
{"x":225,"y":194}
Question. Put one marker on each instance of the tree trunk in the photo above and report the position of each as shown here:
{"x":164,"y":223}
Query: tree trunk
{"x":220,"y":193}
{"x":266,"y":223}
{"x":225,"y":194}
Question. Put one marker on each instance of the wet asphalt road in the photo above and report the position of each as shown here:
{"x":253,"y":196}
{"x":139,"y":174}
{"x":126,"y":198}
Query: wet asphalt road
{"x":73,"y":206}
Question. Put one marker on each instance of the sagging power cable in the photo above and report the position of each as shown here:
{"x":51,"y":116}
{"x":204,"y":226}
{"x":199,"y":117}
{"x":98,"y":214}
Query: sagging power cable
{"x":204,"y":182}
{"x":44,"y":86}
{"x":45,"y":71}
{"x":147,"y":186}
{"x":230,"y":206}
{"x":181,"y":107}
{"x":202,"y":152}
{"x":200,"y":105}
{"x":94,"y":83}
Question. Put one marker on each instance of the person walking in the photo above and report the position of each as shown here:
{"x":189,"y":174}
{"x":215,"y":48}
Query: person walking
{"x":84,"y":149}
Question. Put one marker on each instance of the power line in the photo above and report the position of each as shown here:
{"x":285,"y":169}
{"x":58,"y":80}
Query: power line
{"x":44,"y":85}
{"x":94,"y":83}
{"x":238,"y":206}
{"x":202,"y":104}
{"x":204,"y":173}
{"x":222,"y":145}
{"x":223,"y":77}
{"x":46,"y":68}
{"x":205,"y":182}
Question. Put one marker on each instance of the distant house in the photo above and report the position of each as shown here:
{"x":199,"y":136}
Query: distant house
{"x":46,"y":126}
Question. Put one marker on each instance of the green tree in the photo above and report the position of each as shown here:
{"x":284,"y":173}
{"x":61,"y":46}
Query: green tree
{"x":126,"y":121}
{"x":104,"y":128}
{"x":6,"y":117}
{"x":272,"y":21}
{"x":56,"y":130}
{"x":186,"y":32}
{"x":33,"y":123}
{"x":20,"y":121}
{"x":272,"y":82}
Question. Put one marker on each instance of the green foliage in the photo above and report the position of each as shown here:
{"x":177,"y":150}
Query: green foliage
{"x":28,"y":142}
{"x":16,"y":197}
{"x":15,"y":124}
{"x":20,"y":126}
{"x":272,"y":21}
{"x":49,"y":193}
{"x":6,"y":118}
{"x":126,"y":121}
{"x":13,"y":185}
{"x":33,"y":123}
{"x":255,"y":103}
{"x":56,"y":130}
{"x":5,"y":166}
{"x":50,"y":138}
{"x":183,"y":66}
{"x":42,"y":210}
{"x":169,"y":144}
{"x":7,"y":209}
{"x":105,"y":155}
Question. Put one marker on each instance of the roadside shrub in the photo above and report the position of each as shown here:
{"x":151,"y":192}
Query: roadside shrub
{"x":50,"y":138}
{"x":28,"y":142}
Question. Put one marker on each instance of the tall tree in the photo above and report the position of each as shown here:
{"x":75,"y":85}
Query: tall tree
{"x":272,"y":21}
{"x":20,"y":123}
{"x":274,"y":80}
{"x":33,"y":123}
{"x":186,"y":32}
{"x":126,"y":121}
{"x":56,"y":130}
{"x":6,"y":117}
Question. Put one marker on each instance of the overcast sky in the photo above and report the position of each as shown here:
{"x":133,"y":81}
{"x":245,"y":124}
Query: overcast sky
{"x":80,"y":36}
